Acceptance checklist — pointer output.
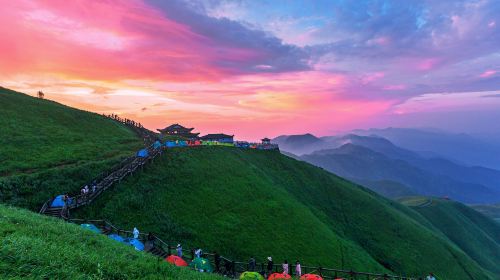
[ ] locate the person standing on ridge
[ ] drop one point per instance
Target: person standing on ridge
(179, 250)
(251, 264)
(285, 267)
(217, 261)
(136, 233)
(298, 269)
(270, 265)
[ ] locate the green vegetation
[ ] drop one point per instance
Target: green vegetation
(248, 202)
(36, 247)
(49, 148)
(469, 230)
(492, 211)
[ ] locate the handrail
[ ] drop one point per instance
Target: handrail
(236, 267)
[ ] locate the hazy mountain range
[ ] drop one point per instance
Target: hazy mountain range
(394, 171)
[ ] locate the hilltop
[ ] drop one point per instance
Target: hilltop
(245, 202)
(37, 247)
(49, 148)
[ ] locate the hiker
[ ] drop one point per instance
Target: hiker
(150, 242)
(198, 253)
(270, 265)
(217, 261)
(251, 264)
(285, 267)
(136, 233)
(298, 269)
(179, 250)
(431, 276)
(94, 187)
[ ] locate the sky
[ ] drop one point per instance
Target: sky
(262, 68)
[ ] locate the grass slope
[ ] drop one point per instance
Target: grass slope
(492, 211)
(246, 202)
(474, 233)
(48, 148)
(36, 247)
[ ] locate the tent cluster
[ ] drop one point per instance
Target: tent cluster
(252, 275)
(237, 144)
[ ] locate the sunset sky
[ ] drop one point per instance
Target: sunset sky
(262, 68)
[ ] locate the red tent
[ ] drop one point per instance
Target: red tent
(176, 260)
(279, 276)
(311, 277)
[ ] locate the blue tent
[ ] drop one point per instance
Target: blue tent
(91, 227)
(116, 237)
(183, 143)
(157, 145)
(170, 144)
(58, 201)
(136, 243)
(142, 153)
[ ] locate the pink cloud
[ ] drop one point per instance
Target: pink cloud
(428, 64)
(488, 73)
(394, 87)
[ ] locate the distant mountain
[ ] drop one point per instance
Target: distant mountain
(300, 144)
(463, 148)
(366, 166)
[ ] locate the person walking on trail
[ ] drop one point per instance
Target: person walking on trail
(270, 265)
(136, 233)
(285, 267)
(179, 250)
(251, 264)
(298, 269)
(431, 276)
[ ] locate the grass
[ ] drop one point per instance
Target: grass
(469, 230)
(492, 211)
(36, 247)
(245, 202)
(48, 148)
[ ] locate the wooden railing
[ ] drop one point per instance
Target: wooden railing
(233, 268)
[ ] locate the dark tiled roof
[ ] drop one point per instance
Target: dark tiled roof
(216, 136)
(176, 126)
(266, 139)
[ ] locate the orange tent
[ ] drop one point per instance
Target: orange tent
(311, 277)
(176, 260)
(279, 276)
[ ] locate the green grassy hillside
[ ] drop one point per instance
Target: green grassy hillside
(36, 247)
(474, 233)
(48, 148)
(247, 202)
(492, 211)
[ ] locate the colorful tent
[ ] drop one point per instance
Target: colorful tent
(182, 143)
(116, 237)
(279, 276)
(58, 201)
(176, 260)
(136, 243)
(157, 145)
(142, 153)
(170, 144)
(91, 227)
(201, 264)
(311, 277)
(251, 275)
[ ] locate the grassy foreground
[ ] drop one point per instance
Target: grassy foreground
(245, 202)
(49, 148)
(36, 247)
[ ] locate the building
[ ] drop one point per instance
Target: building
(266, 141)
(179, 130)
(219, 137)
